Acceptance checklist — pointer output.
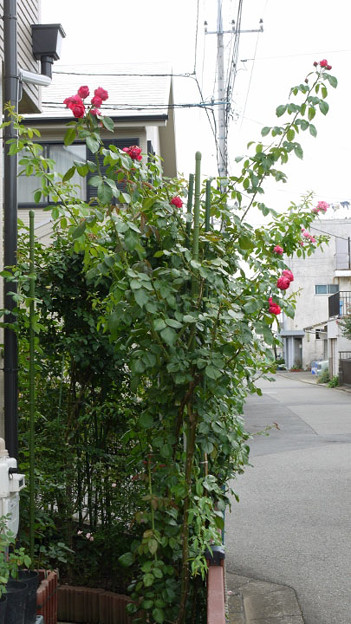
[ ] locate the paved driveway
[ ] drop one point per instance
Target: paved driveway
(293, 522)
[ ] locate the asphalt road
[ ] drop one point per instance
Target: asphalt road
(293, 522)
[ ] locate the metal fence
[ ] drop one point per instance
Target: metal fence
(345, 367)
(340, 303)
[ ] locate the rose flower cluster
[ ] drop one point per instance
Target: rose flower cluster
(284, 280)
(322, 206)
(76, 105)
(324, 64)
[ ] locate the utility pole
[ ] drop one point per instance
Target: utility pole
(222, 160)
(222, 92)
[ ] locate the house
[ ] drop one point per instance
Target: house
(140, 103)
(322, 283)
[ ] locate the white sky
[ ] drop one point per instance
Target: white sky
(295, 34)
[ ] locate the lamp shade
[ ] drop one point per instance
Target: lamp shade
(47, 40)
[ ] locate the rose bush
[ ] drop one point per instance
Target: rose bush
(182, 298)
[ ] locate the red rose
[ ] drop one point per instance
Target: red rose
(78, 110)
(95, 111)
(323, 63)
(72, 100)
(274, 308)
(283, 282)
(176, 201)
(75, 104)
(101, 93)
(278, 250)
(96, 101)
(287, 273)
(133, 151)
(83, 92)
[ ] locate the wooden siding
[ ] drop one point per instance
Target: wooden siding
(27, 14)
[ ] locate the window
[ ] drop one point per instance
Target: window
(120, 143)
(64, 158)
(326, 289)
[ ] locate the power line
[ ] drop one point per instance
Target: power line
(125, 74)
(328, 233)
(250, 80)
(205, 105)
(196, 34)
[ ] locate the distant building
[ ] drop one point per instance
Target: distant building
(323, 287)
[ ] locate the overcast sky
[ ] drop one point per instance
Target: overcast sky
(294, 36)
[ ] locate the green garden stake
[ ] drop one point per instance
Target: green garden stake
(197, 206)
(196, 228)
(208, 205)
(31, 385)
(189, 205)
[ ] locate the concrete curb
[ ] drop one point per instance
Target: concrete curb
(250, 601)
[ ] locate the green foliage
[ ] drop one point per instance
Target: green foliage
(153, 326)
(345, 326)
(11, 558)
(334, 382)
(324, 377)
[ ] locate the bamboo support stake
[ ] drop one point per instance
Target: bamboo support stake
(31, 384)
(189, 205)
(196, 229)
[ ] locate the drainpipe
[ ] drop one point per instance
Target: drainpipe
(11, 92)
(13, 77)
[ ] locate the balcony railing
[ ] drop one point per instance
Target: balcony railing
(340, 303)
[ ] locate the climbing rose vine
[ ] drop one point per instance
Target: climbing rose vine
(182, 298)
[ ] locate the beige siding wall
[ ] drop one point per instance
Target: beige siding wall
(27, 14)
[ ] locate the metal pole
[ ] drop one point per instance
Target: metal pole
(11, 85)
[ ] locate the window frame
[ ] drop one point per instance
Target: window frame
(331, 289)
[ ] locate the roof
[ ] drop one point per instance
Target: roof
(135, 89)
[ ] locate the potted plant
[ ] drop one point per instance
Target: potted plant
(12, 594)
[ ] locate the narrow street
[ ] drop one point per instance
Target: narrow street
(293, 522)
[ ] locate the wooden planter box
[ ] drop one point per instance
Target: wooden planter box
(87, 605)
(47, 596)
(91, 606)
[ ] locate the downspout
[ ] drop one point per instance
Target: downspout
(13, 78)
(11, 91)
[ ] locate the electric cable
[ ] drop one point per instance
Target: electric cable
(196, 34)
(144, 107)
